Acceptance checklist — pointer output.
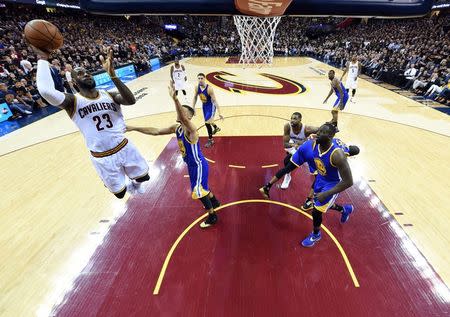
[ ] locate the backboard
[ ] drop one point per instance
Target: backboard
(348, 8)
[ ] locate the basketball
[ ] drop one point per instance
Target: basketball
(43, 35)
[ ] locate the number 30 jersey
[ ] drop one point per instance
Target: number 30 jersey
(100, 120)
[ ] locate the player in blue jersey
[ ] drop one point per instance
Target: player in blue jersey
(306, 153)
(342, 96)
(334, 176)
(209, 104)
(351, 150)
(187, 137)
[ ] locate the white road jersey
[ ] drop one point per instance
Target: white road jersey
(100, 120)
(178, 73)
(297, 137)
(353, 70)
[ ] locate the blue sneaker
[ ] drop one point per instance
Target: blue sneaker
(311, 239)
(348, 209)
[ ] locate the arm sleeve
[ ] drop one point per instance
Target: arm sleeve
(46, 86)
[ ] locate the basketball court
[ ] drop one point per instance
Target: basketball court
(70, 248)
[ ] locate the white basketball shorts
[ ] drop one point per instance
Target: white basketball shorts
(351, 83)
(114, 168)
(180, 84)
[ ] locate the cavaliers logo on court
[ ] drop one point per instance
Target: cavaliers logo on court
(282, 86)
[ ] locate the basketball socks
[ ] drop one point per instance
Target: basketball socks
(337, 207)
(214, 201)
(210, 131)
(183, 91)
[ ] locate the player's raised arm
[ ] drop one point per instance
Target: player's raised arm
(125, 95)
(46, 86)
(188, 126)
(153, 131)
(214, 100)
(310, 130)
(339, 159)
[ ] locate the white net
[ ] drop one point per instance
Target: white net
(257, 35)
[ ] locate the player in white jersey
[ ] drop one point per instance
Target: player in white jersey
(179, 78)
(295, 134)
(352, 69)
(98, 115)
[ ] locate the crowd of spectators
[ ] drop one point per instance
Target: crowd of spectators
(411, 53)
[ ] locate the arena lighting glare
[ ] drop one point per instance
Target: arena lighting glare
(170, 27)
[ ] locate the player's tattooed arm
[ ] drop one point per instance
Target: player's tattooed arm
(125, 95)
(310, 130)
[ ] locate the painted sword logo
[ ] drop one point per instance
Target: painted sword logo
(285, 86)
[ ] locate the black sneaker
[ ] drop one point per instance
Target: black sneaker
(216, 129)
(209, 143)
(264, 191)
(209, 221)
(308, 205)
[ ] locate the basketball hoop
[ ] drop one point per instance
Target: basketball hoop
(257, 35)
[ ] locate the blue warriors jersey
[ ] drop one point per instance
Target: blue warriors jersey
(190, 152)
(326, 170)
(305, 153)
(207, 104)
(197, 165)
(327, 174)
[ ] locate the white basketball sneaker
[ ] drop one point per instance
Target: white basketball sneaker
(138, 187)
(286, 181)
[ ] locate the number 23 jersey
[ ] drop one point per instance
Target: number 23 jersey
(100, 120)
